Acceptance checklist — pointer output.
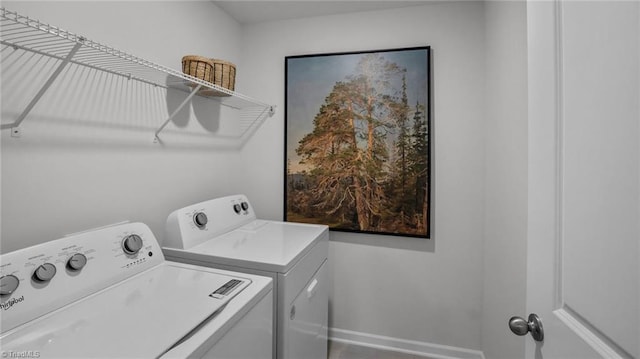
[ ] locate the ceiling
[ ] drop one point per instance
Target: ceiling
(251, 12)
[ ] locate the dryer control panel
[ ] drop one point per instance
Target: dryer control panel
(42, 278)
(189, 226)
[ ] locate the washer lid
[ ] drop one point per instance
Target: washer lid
(262, 245)
(143, 316)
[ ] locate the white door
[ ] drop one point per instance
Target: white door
(583, 276)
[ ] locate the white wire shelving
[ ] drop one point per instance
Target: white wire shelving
(22, 32)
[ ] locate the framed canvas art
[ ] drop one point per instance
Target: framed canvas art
(357, 141)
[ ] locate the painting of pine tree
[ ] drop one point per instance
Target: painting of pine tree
(358, 140)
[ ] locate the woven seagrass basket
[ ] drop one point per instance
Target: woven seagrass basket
(218, 72)
(224, 74)
(198, 66)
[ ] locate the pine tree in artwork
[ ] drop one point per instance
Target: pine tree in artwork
(399, 181)
(419, 167)
(348, 145)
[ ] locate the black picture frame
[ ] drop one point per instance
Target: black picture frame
(358, 141)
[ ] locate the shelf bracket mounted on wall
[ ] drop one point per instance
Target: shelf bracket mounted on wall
(15, 126)
(195, 90)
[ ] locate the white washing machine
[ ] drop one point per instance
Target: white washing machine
(224, 233)
(109, 293)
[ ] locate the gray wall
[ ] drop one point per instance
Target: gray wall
(506, 177)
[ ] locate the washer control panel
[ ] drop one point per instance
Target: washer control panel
(39, 279)
(192, 225)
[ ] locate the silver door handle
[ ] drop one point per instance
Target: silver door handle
(519, 326)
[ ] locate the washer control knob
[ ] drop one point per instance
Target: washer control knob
(44, 272)
(236, 208)
(8, 284)
(131, 244)
(77, 262)
(200, 219)
(245, 206)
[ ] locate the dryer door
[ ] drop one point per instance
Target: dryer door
(308, 317)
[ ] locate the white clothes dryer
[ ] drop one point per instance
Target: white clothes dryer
(109, 293)
(224, 233)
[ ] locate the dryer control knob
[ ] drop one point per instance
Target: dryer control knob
(8, 284)
(237, 208)
(131, 244)
(245, 205)
(77, 262)
(44, 272)
(200, 219)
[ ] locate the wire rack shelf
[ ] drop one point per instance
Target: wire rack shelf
(22, 32)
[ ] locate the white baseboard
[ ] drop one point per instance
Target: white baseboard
(430, 350)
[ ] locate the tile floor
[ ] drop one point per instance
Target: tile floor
(339, 350)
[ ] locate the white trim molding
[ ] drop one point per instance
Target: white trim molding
(588, 334)
(430, 350)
